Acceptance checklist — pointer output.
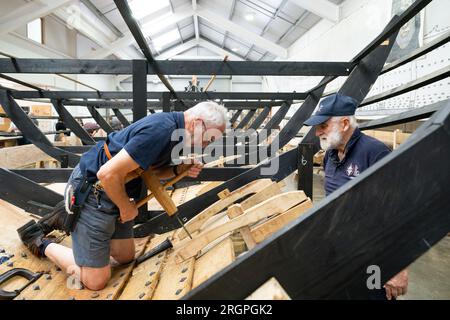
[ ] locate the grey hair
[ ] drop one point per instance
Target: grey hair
(351, 119)
(212, 113)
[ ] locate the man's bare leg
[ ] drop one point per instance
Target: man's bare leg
(92, 278)
(123, 250)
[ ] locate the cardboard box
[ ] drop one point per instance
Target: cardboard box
(41, 110)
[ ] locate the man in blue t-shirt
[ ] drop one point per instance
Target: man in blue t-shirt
(104, 228)
(348, 153)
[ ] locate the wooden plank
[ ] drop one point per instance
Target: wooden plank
(219, 162)
(248, 238)
(270, 290)
(212, 223)
(318, 158)
(175, 280)
(181, 195)
(213, 261)
(145, 276)
(11, 218)
(215, 221)
(274, 205)
(208, 186)
(264, 230)
(266, 193)
(23, 258)
(153, 204)
(63, 287)
(153, 184)
(235, 211)
(195, 223)
(20, 156)
(388, 137)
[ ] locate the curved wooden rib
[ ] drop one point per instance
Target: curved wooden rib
(195, 223)
(275, 205)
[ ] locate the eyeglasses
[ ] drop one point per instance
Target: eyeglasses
(207, 141)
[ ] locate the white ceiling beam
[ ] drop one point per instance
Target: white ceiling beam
(241, 32)
(156, 24)
(29, 12)
(194, 7)
(323, 8)
(21, 47)
(215, 48)
(197, 33)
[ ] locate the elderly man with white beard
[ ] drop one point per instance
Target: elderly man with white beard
(348, 153)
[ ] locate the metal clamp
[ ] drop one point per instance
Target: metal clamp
(17, 272)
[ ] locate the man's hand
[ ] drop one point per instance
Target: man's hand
(397, 286)
(128, 213)
(195, 170)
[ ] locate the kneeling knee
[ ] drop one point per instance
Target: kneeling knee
(124, 258)
(96, 280)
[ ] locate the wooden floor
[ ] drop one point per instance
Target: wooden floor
(161, 277)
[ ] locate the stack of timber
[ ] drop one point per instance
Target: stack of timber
(233, 225)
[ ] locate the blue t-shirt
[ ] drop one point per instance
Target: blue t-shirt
(147, 141)
(361, 152)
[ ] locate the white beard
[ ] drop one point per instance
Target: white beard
(332, 141)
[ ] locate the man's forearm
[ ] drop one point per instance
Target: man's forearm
(114, 187)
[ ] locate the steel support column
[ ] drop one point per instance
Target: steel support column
(139, 89)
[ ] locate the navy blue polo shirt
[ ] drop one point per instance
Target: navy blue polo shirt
(147, 141)
(361, 152)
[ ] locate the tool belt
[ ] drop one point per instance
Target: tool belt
(74, 201)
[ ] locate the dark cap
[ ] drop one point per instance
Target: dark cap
(333, 106)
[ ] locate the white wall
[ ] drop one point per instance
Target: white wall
(327, 41)
(58, 37)
(361, 22)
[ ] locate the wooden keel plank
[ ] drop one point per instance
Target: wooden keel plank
(264, 230)
(274, 205)
(63, 287)
(213, 261)
(35, 264)
(145, 276)
(175, 280)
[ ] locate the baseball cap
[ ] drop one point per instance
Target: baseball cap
(334, 105)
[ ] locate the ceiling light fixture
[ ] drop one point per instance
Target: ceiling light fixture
(250, 16)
